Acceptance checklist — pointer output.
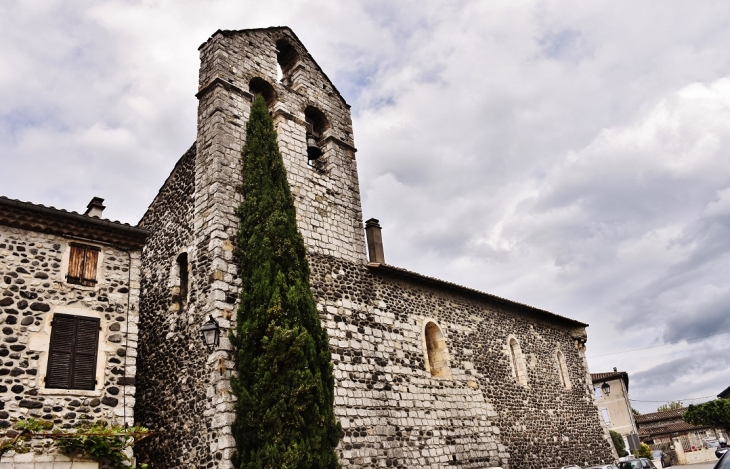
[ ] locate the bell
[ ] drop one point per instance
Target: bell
(313, 151)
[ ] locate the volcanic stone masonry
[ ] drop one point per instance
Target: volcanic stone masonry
(33, 287)
(428, 374)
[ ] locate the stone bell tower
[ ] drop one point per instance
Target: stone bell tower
(190, 272)
(313, 124)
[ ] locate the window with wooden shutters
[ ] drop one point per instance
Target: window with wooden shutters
(72, 352)
(82, 264)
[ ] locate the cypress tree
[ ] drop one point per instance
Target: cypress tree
(285, 385)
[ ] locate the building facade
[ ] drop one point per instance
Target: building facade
(69, 293)
(427, 373)
(611, 390)
(668, 428)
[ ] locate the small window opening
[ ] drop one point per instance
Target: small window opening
(286, 58)
(82, 262)
(599, 393)
(260, 86)
(518, 361)
(279, 73)
(563, 370)
(436, 351)
(182, 265)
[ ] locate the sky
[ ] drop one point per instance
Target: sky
(570, 155)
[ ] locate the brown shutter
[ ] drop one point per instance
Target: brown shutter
(76, 263)
(82, 262)
(89, 273)
(72, 352)
(60, 351)
(84, 362)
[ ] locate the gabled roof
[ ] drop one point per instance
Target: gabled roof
(725, 394)
(611, 375)
(539, 313)
(35, 217)
(228, 32)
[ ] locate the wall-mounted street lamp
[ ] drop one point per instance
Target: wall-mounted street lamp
(211, 333)
(606, 388)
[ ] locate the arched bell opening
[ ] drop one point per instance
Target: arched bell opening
(260, 86)
(286, 58)
(316, 123)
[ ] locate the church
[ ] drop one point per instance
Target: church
(427, 373)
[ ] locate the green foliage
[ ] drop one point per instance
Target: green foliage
(715, 414)
(643, 451)
(100, 440)
(285, 385)
(670, 406)
(618, 443)
(635, 412)
(24, 431)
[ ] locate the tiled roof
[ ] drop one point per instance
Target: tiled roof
(386, 268)
(608, 376)
(677, 427)
(36, 217)
(725, 394)
(659, 416)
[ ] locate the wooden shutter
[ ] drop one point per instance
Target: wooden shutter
(82, 262)
(60, 351)
(72, 352)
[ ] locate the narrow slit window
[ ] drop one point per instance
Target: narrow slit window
(72, 352)
(518, 361)
(436, 351)
(563, 370)
(82, 262)
(182, 265)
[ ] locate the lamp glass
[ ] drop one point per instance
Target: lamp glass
(606, 388)
(210, 333)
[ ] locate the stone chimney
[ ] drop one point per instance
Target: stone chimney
(375, 241)
(95, 207)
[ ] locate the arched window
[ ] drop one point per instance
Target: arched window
(563, 370)
(182, 268)
(260, 86)
(438, 356)
(286, 58)
(517, 360)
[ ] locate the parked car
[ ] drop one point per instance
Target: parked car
(638, 463)
(605, 466)
(724, 462)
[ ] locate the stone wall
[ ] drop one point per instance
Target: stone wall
(32, 289)
(173, 375)
(395, 414)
